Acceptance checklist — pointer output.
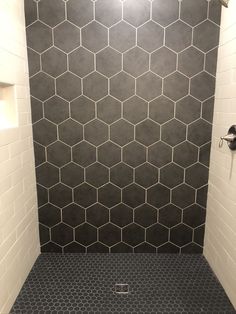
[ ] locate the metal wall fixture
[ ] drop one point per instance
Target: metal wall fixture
(230, 138)
(225, 3)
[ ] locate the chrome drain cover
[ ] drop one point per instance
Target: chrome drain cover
(121, 288)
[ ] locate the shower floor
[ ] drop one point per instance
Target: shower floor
(78, 283)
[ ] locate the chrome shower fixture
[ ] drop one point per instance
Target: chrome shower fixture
(225, 3)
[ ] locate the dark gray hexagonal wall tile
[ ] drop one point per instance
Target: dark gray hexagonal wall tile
(188, 109)
(82, 109)
(145, 248)
(47, 175)
(197, 175)
(163, 61)
(194, 216)
(109, 234)
(181, 235)
(96, 132)
(85, 195)
(122, 132)
(215, 11)
(122, 86)
(66, 36)
(108, 12)
(30, 12)
(34, 61)
(42, 195)
(161, 109)
(43, 234)
(176, 86)
(59, 153)
(95, 86)
(109, 195)
(136, 13)
(72, 174)
(79, 12)
(185, 154)
(122, 36)
(97, 215)
(146, 33)
(39, 154)
(60, 195)
(70, 132)
(133, 234)
(165, 12)
(121, 248)
(204, 154)
(39, 30)
(134, 154)
(136, 61)
(121, 175)
(42, 86)
(86, 234)
(133, 195)
(199, 132)
(211, 32)
(44, 132)
(191, 61)
(147, 132)
(202, 86)
(173, 132)
(145, 215)
(178, 36)
(108, 61)
(109, 154)
(135, 109)
(121, 215)
(68, 86)
(51, 12)
(198, 7)
(170, 215)
(158, 195)
(94, 36)
(49, 215)
(56, 109)
(157, 235)
(97, 174)
(159, 154)
(73, 215)
(84, 154)
(109, 109)
(149, 86)
(183, 195)
(171, 175)
(146, 175)
(81, 62)
(211, 61)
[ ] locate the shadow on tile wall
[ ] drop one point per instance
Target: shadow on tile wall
(122, 102)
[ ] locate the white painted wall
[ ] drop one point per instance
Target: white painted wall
(19, 240)
(220, 236)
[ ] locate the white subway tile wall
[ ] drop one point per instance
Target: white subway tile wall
(19, 240)
(220, 236)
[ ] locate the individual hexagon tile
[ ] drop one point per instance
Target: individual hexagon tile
(109, 234)
(194, 216)
(202, 86)
(168, 248)
(147, 132)
(79, 12)
(215, 12)
(82, 109)
(44, 132)
(97, 215)
(85, 195)
(135, 109)
(56, 109)
(211, 61)
(42, 86)
(136, 13)
(173, 132)
(121, 215)
(146, 175)
(183, 196)
(133, 234)
(208, 30)
(122, 132)
(66, 36)
(109, 154)
(204, 154)
(70, 132)
(149, 86)
(191, 61)
(51, 247)
(47, 175)
(97, 247)
(39, 154)
(133, 195)
(68, 86)
(163, 61)
(161, 109)
(34, 32)
(84, 154)
(30, 12)
(157, 234)
(136, 61)
(108, 62)
(198, 7)
(121, 248)
(60, 195)
(165, 12)
(176, 86)
(109, 195)
(33, 61)
(49, 215)
(74, 247)
(181, 235)
(86, 234)
(122, 36)
(121, 175)
(197, 175)
(144, 248)
(42, 195)
(201, 198)
(192, 248)
(96, 132)
(51, 12)
(122, 86)
(95, 86)
(73, 215)
(199, 235)
(178, 36)
(72, 174)
(109, 109)
(36, 109)
(108, 12)
(94, 36)
(199, 132)
(43, 234)
(185, 154)
(159, 154)
(97, 174)
(171, 175)
(158, 195)
(188, 109)
(146, 33)
(81, 62)
(170, 215)
(134, 154)
(59, 153)
(145, 215)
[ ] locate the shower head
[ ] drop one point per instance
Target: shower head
(225, 3)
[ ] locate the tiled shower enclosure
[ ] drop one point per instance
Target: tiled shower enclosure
(122, 102)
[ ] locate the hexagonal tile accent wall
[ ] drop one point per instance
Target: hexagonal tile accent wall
(122, 95)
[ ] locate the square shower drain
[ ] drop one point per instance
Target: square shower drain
(121, 288)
